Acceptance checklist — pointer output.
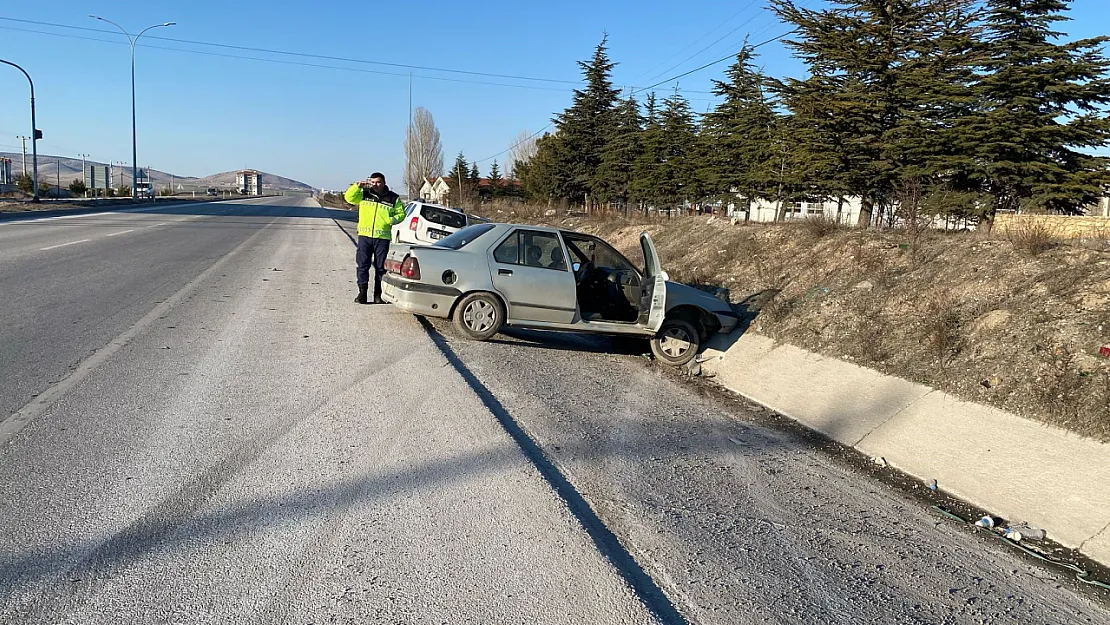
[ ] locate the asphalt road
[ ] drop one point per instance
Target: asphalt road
(204, 429)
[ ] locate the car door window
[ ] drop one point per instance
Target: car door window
(596, 251)
(508, 252)
(531, 249)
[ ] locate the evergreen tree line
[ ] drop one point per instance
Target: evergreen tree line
(471, 189)
(917, 107)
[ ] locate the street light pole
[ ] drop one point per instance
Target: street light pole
(34, 135)
(134, 140)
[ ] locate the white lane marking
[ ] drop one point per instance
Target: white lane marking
(116, 234)
(11, 426)
(113, 212)
(54, 247)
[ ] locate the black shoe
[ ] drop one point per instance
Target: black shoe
(378, 300)
(361, 299)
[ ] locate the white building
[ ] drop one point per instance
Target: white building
(762, 210)
(248, 182)
(435, 190)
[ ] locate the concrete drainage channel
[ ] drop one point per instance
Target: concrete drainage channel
(1011, 468)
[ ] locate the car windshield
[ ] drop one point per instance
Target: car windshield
(448, 218)
(463, 237)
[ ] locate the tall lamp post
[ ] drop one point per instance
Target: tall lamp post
(34, 135)
(134, 141)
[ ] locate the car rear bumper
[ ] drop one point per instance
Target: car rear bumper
(418, 298)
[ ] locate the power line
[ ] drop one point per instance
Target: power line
(521, 142)
(693, 43)
(301, 54)
(295, 63)
(710, 64)
(715, 42)
(767, 26)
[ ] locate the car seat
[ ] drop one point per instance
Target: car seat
(532, 256)
(556, 260)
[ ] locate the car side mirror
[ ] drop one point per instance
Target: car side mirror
(576, 267)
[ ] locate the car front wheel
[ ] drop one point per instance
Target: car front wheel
(676, 343)
(479, 316)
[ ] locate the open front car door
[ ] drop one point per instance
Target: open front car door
(653, 288)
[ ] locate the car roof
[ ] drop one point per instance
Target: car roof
(505, 225)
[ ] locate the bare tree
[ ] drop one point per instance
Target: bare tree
(522, 150)
(423, 151)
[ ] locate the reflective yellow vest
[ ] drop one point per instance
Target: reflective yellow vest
(376, 214)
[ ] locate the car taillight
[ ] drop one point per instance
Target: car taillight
(412, 224)
(392, 266)
(410, 268)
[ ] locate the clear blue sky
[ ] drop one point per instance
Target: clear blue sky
(200, 114)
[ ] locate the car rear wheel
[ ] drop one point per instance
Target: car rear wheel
(676, 343)
(479, 316)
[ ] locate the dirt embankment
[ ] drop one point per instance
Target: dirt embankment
(1016, 322)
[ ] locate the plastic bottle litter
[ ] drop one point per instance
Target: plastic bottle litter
(987, 522)
(1020, 533)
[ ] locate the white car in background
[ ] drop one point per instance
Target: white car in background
(428, 223)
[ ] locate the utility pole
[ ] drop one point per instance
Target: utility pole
(58, 191)
(84, 178)
(24, 140)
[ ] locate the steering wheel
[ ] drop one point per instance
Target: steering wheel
(583, 271)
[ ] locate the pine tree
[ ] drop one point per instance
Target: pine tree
(25, 183)
(458, 179)
(583, 128)
(473, 178)
(538, 175)
(496, 180)
(613, 179)
(869, 86)
(739, 156)
(679, 181)
(647, 168)
(1042, 104)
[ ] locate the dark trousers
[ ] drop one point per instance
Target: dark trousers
(371, 251)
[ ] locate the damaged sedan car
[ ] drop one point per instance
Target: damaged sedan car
(488, 276)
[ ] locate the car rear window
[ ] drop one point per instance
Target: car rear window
(463, 237)
(451, 219)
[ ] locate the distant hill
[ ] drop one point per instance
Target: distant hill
(71, 168)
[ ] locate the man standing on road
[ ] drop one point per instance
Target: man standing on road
(378, 209)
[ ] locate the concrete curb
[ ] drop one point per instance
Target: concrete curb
(1014, 467)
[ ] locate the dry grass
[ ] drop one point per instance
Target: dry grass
(332, 200)
(1032, 237)
(943, 328)
(821, 226)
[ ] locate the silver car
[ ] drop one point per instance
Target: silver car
(487, 276)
